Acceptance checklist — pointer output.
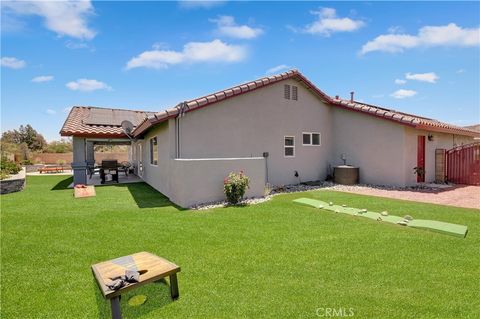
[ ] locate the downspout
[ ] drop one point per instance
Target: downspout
(181, 113)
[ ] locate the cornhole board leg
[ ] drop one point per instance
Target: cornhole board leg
(115, 306)
(174, 286)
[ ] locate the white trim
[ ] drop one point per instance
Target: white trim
(150, 157)
(311, 139)
(218, 159)
(292, 146)
(140, 159)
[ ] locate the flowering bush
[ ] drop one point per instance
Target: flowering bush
(234, 186)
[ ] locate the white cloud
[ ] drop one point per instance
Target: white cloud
(226, 26)
(401, 94)
(62, 17)
(13, 63)
(77, 45)
(400, 81)
(193, 52)
(460, 71)
(428, 36)
(87, 85)
(51, 112)
(42, 78)
(194, 4)
(327, 23)
(429, 77)
(277, 69)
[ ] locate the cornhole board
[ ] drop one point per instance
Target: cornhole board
(150, 267)
(85, 191)
(432, 225)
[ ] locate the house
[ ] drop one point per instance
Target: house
(280, 130)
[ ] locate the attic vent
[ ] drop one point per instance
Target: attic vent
(295, 93)
(286, 91)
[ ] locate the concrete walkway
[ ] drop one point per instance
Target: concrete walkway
(459, 195)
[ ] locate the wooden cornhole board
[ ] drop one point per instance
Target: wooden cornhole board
(84, 191)
(150, 267)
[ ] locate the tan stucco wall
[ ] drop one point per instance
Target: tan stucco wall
(440, 140)
(256, 122)
(246, 126)
(158, 176)
(188, 182)
(196, 181)
(374, 145)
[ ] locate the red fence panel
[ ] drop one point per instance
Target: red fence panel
(463, 164)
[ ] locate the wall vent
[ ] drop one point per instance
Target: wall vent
(295, 93)
(286, 91)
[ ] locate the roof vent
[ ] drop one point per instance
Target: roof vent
(351, 96)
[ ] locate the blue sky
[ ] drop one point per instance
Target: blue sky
(422, 58)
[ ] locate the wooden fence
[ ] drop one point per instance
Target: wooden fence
(54, 158)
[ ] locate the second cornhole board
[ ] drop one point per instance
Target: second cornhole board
(84, 191)
(433, 225)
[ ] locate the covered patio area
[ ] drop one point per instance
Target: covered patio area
(90, 127)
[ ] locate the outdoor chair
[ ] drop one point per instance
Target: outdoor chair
(92, 169)
(126, 167)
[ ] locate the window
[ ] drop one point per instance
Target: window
(311, 139)
(286, 91)
(289, 146)
(153, 151)
(295, 93)
(307, 139)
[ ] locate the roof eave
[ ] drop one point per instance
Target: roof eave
(458, 131)
(92, 135)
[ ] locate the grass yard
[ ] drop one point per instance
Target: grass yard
(277, 259)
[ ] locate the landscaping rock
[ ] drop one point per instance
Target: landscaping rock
(14, 183)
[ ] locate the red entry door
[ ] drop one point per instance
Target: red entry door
(421, 157)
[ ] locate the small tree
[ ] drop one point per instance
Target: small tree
(235, 186)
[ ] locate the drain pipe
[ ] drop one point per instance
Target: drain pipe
(181, 112)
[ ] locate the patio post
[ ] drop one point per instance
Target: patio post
(90, 152)
(79, 164)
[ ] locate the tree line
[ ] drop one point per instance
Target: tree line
(25, 141)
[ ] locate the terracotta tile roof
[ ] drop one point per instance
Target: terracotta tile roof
(415, 121)
(219, 96)
(373, 110)
(77, 122)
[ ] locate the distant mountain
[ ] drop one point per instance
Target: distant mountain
(475, 127)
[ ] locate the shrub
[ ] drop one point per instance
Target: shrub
(61, 162)
(234, 186)
(8, 167)
(26, 162)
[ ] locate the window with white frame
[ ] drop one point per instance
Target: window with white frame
(153, 151)
(311, 139)
(289, 146)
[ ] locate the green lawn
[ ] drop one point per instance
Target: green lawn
(277, 259)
